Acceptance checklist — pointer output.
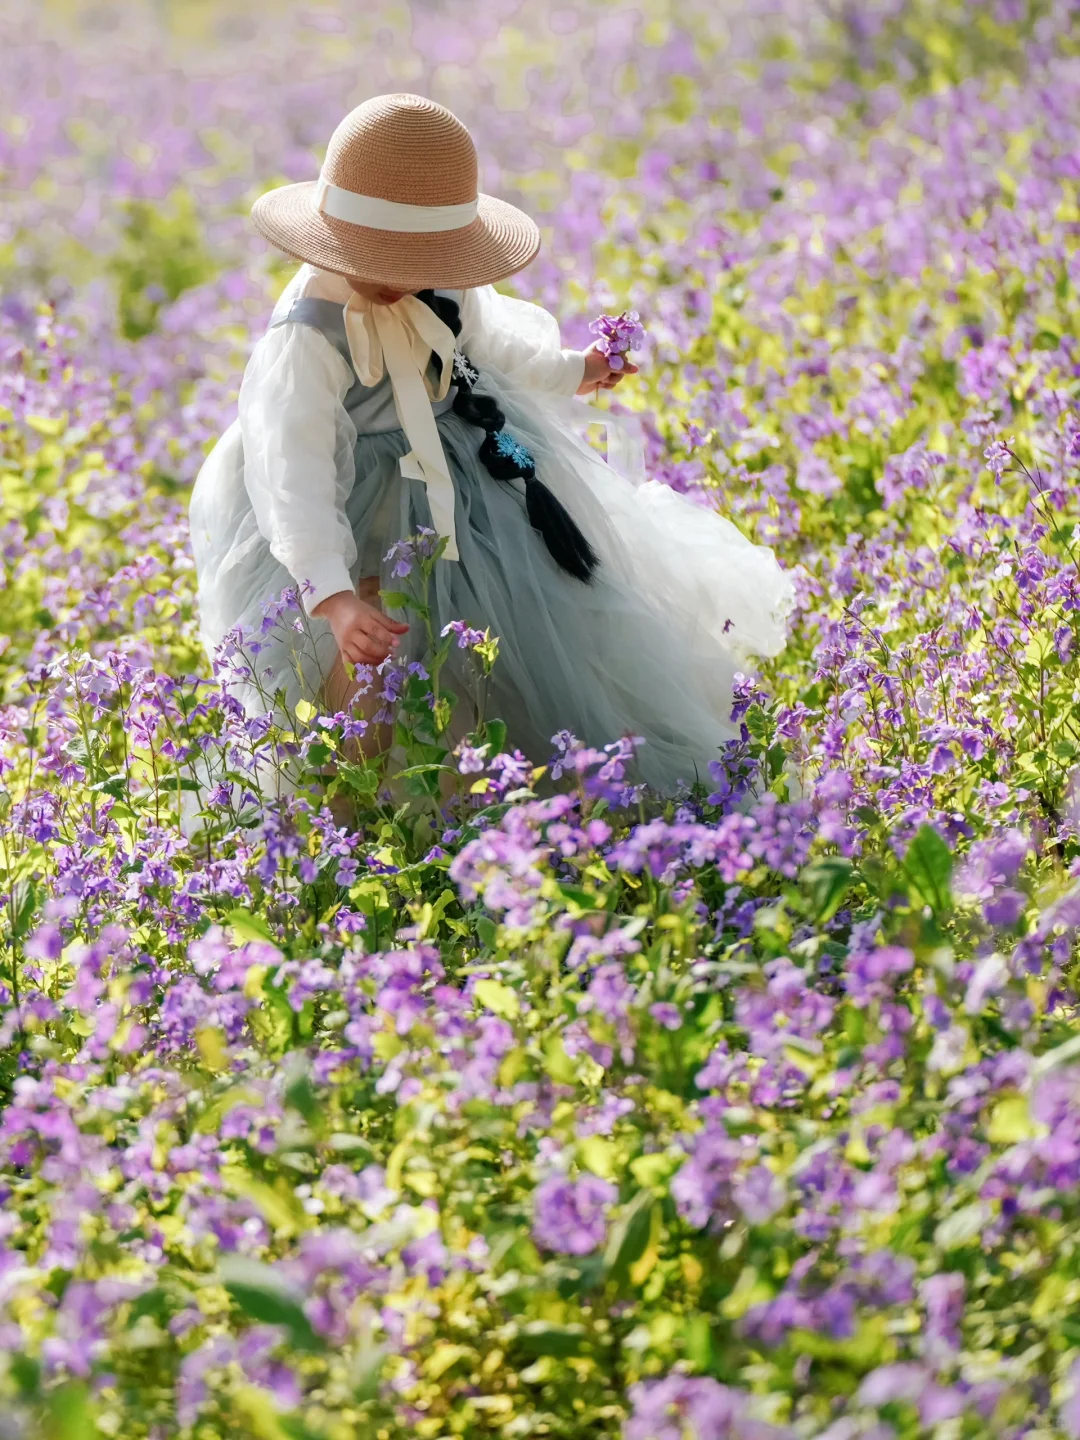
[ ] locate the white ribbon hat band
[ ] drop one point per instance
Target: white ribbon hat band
(376, 214)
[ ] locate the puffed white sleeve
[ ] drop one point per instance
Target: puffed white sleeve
(519, 339)
(298, 456)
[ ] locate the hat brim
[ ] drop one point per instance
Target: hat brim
(499, 242)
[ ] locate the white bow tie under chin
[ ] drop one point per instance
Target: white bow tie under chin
(399, 340)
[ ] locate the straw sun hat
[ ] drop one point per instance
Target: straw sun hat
(397, 204)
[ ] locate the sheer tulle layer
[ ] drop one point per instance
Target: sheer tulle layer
(650, 648)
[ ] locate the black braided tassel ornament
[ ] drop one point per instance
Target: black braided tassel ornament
(505, 458)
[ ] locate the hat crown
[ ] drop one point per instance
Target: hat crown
(403, 148)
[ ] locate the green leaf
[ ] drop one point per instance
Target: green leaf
(300, 1094)
(698, 1342)
(26, 1372)
(50, 425)
(443, 1357)
(928, 866)
(267, 1297)
(540, 1338)
(116, 786)
(629, 1235)
(495, 736)
(346, 1144)
(1011, 1121)
(396, 600)
(256, 1413)
(367, 1373)
(854, 1024)
(654, 1170)
(1060, 1055)
(862, 1352)
(441, 712)
(23, 904)
(58, 1281)
(600, 1155)
(156, 1302)
(69, 1414)
(246, 926)
(370, 896)
(584, 899)
(558, 1063)
(364, 779)
(750, 1289)
(827, 880)
(962, 1226)
(498, 998)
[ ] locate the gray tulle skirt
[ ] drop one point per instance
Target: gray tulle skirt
(650, 647)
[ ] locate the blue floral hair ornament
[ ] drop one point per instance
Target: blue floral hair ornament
(513, 450)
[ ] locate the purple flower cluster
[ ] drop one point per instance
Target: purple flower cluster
(617, 336)
(481, 1097)
(681, 1405)
(570, 1217)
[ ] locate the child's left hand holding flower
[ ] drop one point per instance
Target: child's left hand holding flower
(599, 373)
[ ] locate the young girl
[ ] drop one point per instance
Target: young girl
(396, 389)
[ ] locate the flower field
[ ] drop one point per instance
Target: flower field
(477, 1094)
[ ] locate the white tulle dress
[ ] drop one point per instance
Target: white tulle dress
(306, 489)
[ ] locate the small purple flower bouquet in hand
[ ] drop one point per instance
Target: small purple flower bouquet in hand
(618, 334)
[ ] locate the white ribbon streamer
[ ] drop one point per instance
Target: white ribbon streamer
(376, 214)
(625, 445)
(399, 340)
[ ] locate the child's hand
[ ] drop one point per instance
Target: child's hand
(599, 375)
(364, 635)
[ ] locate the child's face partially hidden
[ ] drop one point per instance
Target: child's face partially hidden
(378, 294)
